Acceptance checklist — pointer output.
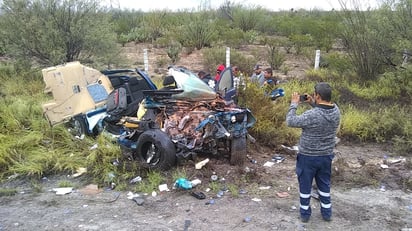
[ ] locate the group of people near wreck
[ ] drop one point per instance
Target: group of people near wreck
(264, 78)
(261, 77)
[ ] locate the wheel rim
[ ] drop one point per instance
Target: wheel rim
(151, 154)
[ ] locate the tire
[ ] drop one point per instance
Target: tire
(77, 127)
(155, 150)
(238, 151)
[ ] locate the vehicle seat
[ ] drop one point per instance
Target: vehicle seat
(135, 88)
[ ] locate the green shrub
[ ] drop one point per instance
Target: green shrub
(173, 51)
(379, 125)
(339, 62)
(300, 41)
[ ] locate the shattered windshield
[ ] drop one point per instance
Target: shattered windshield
(194, 89)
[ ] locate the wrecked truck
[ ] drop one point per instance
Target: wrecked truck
(181, 123)
(80, 97)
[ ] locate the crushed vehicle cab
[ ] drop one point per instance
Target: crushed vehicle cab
(80, 96)
(191, 119)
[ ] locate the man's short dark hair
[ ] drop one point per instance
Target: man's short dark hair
(324, 90)
(269, 70)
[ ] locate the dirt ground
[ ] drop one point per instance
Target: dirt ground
(270, 202)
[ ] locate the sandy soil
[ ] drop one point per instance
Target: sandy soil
(260, 205)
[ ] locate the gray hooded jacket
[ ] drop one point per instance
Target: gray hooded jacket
(319, 126)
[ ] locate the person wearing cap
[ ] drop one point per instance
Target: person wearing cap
(219, 70)
(257, 75)
(317, 141)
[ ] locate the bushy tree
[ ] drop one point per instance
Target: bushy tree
(368, 46)
(51, 32)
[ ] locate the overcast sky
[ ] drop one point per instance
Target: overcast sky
(273, 5)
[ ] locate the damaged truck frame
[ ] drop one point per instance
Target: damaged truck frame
(164, 126)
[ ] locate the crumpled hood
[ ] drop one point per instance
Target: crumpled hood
(194, 89)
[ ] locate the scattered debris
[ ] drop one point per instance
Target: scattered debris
(139, 201)
(214, 177)
(187, 224)
(154, 194)
(195, 182)
(183, 183)
(384, 166)
(210, 202)
(242, 191)
(63, 191)
(202, 163)
(269, 164)
(93, 147)
(163, 187)
(264, 187)
(80, 171)
(251, 159)
(198, 195)
(131, 195)
(220, 194)
(247, 219)
(282, 194)
(278, 158)
(135, 180)
(13, 176)
(91, 189)
(116, 162)
(256, 199)
(396, 160)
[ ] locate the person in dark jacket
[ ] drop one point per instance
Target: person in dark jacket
(314, 160)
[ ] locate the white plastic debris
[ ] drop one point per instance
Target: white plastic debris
(195, 182)
(256, 199)
(269, 164)
(163, 187)
(384, 166)
(135, 180)
(62, 191)
(131, 195)
(93, 147)
(264, 187)
(79, 172)
(396, 160)
(202, 163)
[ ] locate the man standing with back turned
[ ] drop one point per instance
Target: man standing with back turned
(314, 160)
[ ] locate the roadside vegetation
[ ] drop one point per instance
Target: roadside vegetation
(365, 60)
